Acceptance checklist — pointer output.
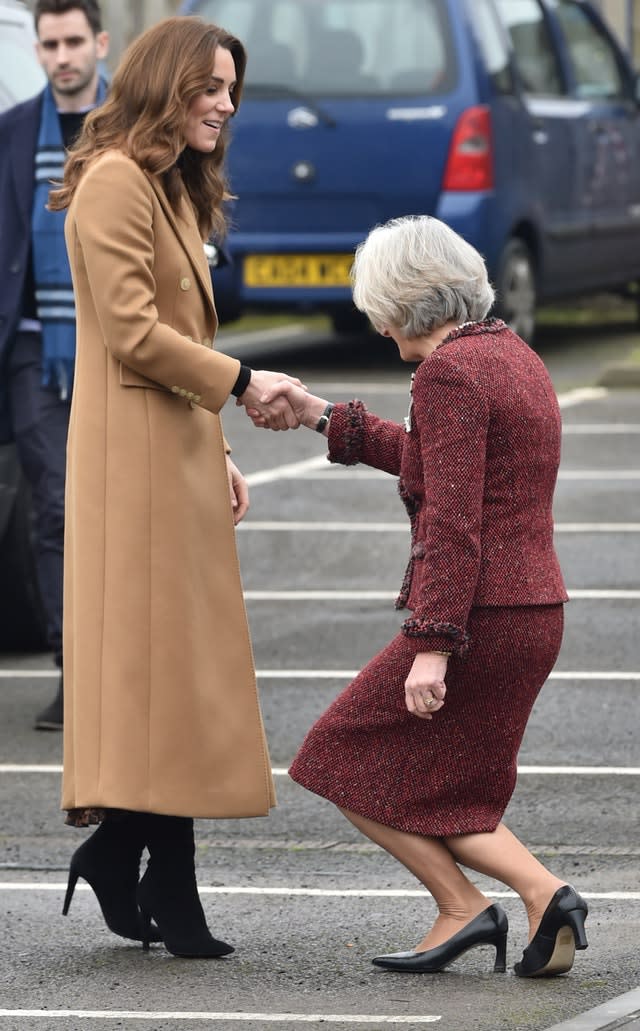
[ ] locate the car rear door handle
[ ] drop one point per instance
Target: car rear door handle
(539, 132)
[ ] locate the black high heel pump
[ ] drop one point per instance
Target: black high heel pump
(110, 863)
(488, 928)
(552, 949)
(168, 892)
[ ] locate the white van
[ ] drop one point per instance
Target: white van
(21, 76)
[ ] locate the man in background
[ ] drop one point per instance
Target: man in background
(37, 313)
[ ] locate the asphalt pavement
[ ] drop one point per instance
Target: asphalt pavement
(305, 900)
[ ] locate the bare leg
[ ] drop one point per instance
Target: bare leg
(502, 856)
(429, 859)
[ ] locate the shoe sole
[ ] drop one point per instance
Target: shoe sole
(562, 957)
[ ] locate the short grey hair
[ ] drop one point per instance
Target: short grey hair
(415, 274)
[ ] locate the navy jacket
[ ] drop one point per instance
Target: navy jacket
(19, 127)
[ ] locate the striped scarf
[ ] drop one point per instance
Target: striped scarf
(54, 288)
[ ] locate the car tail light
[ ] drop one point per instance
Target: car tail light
(470, 161)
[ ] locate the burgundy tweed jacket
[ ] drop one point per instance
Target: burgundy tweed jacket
(477, 473)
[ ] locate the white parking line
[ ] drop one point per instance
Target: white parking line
(324, 893)
(304, 469)
(598, 429)
(282, 771)
(259, 1018)
(336, 674)
(283, 526)
(597, 527)
(599, 474)
(349, 474)
(229, 339)
(349, 674)
(580, 394)
(282, 472)
(575, 594)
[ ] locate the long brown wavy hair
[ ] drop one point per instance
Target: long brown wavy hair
(145, 112)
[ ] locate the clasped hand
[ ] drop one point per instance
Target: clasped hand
(284, 400)
(267, 401)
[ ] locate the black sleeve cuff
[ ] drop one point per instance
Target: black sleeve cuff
(242, 381)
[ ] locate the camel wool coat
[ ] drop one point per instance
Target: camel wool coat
(161, 708)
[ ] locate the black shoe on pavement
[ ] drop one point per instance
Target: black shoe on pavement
(51, 717)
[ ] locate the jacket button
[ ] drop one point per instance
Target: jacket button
(185, 283)
(14, 267)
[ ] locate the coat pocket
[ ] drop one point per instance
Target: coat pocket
(130, 378)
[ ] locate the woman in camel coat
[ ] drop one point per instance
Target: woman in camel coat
(162, 720)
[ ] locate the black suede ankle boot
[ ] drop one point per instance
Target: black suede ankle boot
(168, 892)
(110, 862)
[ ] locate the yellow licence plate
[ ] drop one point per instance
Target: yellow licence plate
(280, 270)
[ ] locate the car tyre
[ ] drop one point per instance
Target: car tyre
(516, 289)
(349, 322)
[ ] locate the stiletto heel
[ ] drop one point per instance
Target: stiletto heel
(145, 929)
(488, 928)
(109, 861)
(552, 949)
(71, 886)
(500, 964)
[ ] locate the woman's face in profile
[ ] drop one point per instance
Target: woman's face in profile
(209, 110)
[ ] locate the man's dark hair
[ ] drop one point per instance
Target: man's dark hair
(90, 8)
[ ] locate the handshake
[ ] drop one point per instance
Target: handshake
(275, 401)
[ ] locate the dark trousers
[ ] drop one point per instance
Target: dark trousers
(39, 425)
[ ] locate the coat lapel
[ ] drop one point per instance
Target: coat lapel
(185, 227)
(23, 149)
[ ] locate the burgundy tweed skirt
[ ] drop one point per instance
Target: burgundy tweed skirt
(450, 775)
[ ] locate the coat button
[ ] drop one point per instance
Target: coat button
(14, 267)
(185, 283)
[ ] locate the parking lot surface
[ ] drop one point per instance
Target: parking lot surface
(306, 901)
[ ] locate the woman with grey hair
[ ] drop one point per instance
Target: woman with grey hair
(420, 750)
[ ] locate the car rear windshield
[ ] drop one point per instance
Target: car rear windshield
(351, 48)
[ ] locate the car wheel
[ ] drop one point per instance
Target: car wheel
(22, 622)
(349, 322)
(227, 311)
(516, 289)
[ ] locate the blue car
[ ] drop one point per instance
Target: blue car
(515, 121)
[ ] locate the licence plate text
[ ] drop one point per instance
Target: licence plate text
(281, 270)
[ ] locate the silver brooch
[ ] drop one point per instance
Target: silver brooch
(407, 418)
